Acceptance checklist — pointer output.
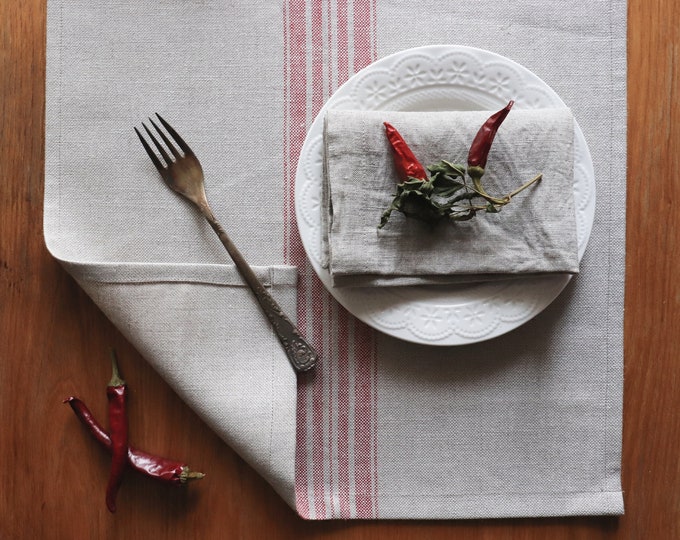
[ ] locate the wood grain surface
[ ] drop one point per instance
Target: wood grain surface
(54, 342)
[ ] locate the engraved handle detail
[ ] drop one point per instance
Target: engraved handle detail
(301, 354)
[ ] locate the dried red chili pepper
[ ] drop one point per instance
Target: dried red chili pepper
(445, 193)
(164, 469)
(405, 160)
(116, 392)
(481, 144)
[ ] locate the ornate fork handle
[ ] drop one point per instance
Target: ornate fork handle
(301, 354)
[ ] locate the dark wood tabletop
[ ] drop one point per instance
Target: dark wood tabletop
(54, 342)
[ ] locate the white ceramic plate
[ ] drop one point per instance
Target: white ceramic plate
(433, 78)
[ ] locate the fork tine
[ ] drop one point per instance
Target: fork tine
(184, 146)
(154, 157)
(167, 142)
(162, 151)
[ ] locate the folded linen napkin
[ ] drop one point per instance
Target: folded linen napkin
(534, 234)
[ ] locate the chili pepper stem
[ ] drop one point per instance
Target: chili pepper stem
(188, 475)
(479, 189)
(116, 379)
(535, 179)
(476, 175)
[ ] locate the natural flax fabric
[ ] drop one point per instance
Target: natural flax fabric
(526, 424)
(534, 234)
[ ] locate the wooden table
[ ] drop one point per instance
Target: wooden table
(52, 339)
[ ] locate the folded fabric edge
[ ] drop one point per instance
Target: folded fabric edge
(466, 506)
(93, 277)
(150, 272)
(375, 280)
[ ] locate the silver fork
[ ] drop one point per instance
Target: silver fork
(182, 172)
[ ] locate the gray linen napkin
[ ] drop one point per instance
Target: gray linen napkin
(534, 234)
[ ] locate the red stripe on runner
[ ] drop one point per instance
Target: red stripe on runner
(363, 431)
(332, 409)
(343, 42)
(319, 393)
(343, 316)
(317, 56)
(343, 414)
(318, 450)
(330, 86)
(370, 341)
(319, 403)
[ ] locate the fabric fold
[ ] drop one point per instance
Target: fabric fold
(235, 375)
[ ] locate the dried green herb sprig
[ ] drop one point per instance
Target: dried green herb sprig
(445, 192)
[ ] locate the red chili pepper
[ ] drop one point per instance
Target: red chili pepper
(407, 164)
(116, 393)
(167, 470)
(481, 145)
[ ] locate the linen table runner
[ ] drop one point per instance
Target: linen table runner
(527, 424)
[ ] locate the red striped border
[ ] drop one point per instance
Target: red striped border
(325, 41)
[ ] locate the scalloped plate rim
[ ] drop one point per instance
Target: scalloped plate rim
(541, 292)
